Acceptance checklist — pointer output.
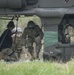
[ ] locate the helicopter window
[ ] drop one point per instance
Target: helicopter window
(50, 38)
(66, 30)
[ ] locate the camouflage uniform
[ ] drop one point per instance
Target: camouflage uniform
(8, 55)
(13, 53)
(6, 42)
(17, 44)
(69, 32)
(31, 35)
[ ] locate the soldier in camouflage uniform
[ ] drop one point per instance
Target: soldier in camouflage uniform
(6, 43)
(69, 33)
(17, 44)
(32, 33)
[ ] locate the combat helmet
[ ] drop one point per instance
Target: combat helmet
(11, 24)
(67, 25)
(31, 24)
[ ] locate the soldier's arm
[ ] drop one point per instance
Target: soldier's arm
(41, 34)
(24, 34)
(24, 37)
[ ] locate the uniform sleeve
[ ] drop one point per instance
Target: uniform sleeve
(66, 32)
(24, 33)
(41, 34)
(24, 37)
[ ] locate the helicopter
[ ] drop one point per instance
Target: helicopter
(54, 16)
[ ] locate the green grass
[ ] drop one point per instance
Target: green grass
(37, 68)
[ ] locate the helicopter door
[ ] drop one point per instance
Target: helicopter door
(66, 30)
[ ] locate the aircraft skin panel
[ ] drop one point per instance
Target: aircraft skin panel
(41, 12)
(12, 4)
(56, 3)
(37, 11)
(43, 9)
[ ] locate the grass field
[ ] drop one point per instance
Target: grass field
(37, 68)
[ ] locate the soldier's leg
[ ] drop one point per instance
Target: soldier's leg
(30, 48)
(19, 51)
(11, 57)
(9, 54)
(38, 47)
(31, 51)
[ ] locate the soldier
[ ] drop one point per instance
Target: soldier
(6, 39)
(6, 42)
(69, 33)
(32, 33)
(17, 45)
(13, 53)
